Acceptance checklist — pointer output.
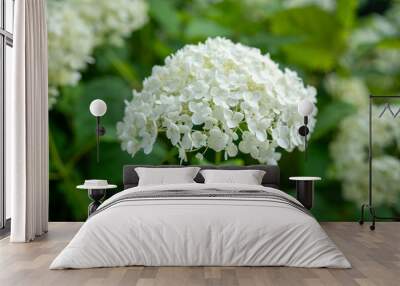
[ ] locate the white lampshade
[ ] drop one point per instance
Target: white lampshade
(98, 107)
(305, 107)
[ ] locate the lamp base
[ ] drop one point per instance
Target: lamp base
(303, 131)
(373, 216)
(100, 130)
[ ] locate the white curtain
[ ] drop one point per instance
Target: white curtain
(27, 124)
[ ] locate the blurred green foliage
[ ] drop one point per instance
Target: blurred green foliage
(308, 39)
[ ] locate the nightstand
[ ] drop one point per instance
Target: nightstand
(305, 190)
(96, 191)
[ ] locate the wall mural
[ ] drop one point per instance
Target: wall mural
(218, 82)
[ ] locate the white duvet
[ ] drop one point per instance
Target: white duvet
(200, 231)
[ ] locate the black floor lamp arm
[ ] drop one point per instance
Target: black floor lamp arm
(98, 138)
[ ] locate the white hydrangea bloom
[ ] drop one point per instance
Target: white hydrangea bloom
(66, 57)
(219, 95)
(328, 5)
(374, 30)
(111, 21)
(348, 89)
(259, 9)
(349, 152)
(370, 33)
(77, 27)
(350, 149)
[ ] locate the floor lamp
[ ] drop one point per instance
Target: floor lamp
(98, 108)
(370, 205)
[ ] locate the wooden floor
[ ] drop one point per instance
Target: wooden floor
(375, 257)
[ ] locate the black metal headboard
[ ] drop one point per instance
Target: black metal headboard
(270, 179)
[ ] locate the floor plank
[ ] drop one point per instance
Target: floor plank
(375, 257)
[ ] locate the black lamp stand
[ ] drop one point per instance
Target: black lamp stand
(369, 205)
(100, 131)
(303, 131)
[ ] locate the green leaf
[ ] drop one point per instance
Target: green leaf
(319, 35)
(126, 71)
(328, 118)
(67, 203)
(69, 179)
(346, 12)
(194, 161)
(67, 99)
(389, 43)
(202, 28)
(156, 157)
(233, 162)
(310, 56)
(104, 54)
(112, 160)
(76, 199)
(268, 42)
(162, 49)
(303, 21)
(317, 163)
(166, 15)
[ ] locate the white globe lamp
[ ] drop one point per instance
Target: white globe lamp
(98, 108)
(305, 107)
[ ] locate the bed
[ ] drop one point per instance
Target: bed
(198, 224)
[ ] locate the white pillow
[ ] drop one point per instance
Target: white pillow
(248, 177)
(165, 176)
